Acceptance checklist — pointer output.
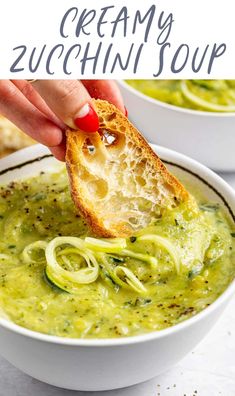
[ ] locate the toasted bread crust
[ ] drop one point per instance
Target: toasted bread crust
(129, 147)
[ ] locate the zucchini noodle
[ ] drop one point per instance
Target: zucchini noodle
(72, 261)
(122, 276)
(111, 245)
(63, 278)
(196, 100)
(67, 262)
(130, 279)
(165, 244)
(142, 257)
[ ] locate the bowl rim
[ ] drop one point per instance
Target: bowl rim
(182, 161)
(175, 108)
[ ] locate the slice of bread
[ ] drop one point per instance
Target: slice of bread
(117, 181)
(11, 137)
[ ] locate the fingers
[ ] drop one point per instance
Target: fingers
(107, 90)
(59, 151)
(17, 108)
(70, 101)
(41, 110)
(29, 92)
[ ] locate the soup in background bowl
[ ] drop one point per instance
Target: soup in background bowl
(204, 134)
(204, 95)
(75, 361)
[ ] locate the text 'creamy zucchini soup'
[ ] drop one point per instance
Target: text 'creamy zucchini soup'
(56, 278)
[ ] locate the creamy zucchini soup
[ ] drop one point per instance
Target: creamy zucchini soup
(205, 95)
(57, 279)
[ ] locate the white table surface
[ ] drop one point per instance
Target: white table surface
(209, 370)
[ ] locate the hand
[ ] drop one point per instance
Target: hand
(44, 108)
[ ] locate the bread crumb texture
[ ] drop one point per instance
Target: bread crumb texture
(117, 181)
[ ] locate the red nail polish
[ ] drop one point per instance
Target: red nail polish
(126, 112)
(87, 120)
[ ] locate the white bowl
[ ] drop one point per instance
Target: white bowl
(100, 364)
(205, 136)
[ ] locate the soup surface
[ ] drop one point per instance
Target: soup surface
(84, 287)
(205, 95)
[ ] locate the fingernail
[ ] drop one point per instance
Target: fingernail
(87, 120)
(126, 112)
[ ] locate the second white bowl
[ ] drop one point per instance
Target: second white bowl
(206, 137)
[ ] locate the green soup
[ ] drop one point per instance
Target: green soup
(164, 275)
(205, 95)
